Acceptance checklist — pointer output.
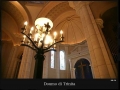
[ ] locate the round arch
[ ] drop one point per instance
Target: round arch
(83, 69)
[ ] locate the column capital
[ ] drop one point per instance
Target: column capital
(99, 22)
(78, 4)
(16, 44)
(73, 68)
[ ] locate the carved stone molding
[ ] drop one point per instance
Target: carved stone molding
(58, 9)
(18, 35)
(14, 12)
(78, 4)
(99, 22)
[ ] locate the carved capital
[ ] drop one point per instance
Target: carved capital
(73, 69)
(78, 4)
(71, 4)
(16, 44)
(99, 22)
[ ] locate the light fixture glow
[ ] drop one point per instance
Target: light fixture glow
(40, 41)
(40, 22)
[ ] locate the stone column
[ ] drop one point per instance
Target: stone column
(99, 62)
(58, 61)
(32, 66)
(73, 73)
(72, 69)
(12, 61)
(25, 67)
(70, 66)
(105, 47)
(67, 63)
(7, 47)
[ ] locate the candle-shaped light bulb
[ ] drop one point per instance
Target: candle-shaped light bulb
(54, 46)
(24, 28)
(32, 28)
(43, 35)
(39, 43)
(51, 41)
(47, 39)
(24, 38)
(36, 37)
(25, 23)
(55, 34)
(61, 32)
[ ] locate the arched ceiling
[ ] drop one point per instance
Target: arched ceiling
(58, 10)
(10, 29)
(63, 16)
(72, 28)
(5, 37)
(13, 12)
(13, 16)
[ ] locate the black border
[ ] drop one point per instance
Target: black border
(79, 84)
(39, 84)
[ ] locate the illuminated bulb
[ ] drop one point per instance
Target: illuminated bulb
(51, 41)
(32, 28)
(24, 37)
(55, 34)
(41, 21)
(43, 35)
(48, 39)
(25, 23)
(36, 36)
(61, 32)
(39, 44)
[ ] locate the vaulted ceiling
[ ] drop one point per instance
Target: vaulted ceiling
(15, 13)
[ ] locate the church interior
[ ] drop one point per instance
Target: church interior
(90, 47)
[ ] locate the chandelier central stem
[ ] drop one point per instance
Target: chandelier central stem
(41, 42)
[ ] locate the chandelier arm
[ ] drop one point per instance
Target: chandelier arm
(30, 40)
(29, 47)
(49, 50)
(53, 44)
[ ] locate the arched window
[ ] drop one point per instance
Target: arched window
(62, 60)
(52, 59)
(83, 69)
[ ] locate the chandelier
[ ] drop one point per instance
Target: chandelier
(41, 41)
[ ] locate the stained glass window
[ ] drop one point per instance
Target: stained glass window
(62, 60)
(52, 59)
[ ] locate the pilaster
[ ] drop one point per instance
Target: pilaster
(93, 37)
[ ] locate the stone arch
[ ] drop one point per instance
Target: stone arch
(99, 8)
(109, 6)
(83, 69)
(47, 8)
(10, 28)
